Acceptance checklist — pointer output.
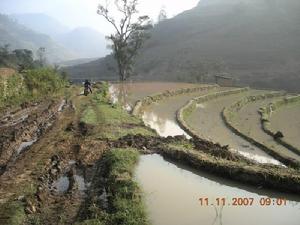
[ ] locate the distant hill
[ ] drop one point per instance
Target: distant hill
(21, 37)
(101, 69)
(75, 62)
(41, 23)
(85, 42)
(257, 41)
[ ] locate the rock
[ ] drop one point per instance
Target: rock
(278, 135)
(21, 198)
(53, 172)
(30, 208)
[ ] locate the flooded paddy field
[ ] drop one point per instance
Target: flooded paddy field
(173, 193)
(248, 121)
(138, 90)
(287, 120)
(207, 121)
(161, 116)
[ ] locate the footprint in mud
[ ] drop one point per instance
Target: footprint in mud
(73, 179)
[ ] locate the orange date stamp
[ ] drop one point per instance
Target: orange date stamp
(239, 201)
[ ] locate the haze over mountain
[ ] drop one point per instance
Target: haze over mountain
(21, 37)
(41, 23)
(257, 41)
(85, 42)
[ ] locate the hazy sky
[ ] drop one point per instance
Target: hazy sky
(75, 13)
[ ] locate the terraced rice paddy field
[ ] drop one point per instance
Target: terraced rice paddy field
(287, 120)
(152, 153)
(173, 189)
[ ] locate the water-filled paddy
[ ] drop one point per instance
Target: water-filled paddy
(207, 121)
(172, 195)
(287, 120)
(248, 121)
(172, 191)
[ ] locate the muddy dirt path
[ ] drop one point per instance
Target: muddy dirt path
(207, 120)
(287, 120)
(50, 178)
(19, 130)
(248, 121)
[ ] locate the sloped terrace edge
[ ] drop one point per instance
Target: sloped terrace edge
(266, 113)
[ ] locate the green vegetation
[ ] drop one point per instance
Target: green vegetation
(181, 144)
(15, 211)
(18, 57)
(110, 120)
(30, 86)
(126, 202)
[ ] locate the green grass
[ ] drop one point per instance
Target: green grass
(31, 86)
(182, 145)
(110, 120)
(12, 213)
(126, 199)
(89, 116)
(128, 208)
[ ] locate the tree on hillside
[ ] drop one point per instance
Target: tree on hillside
(4, 55)
(162, 16)
(41, 55)
(18, 59)
(24, 58)
(131, 30)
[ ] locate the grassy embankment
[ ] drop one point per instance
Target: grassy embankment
(33, 85)
(109, 121)
(126, 205)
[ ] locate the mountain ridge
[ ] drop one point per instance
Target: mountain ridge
(255, 41)
(86, 42)
(18, 36)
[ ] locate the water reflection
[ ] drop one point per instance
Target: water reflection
(163, 126)
(259, 158)
(207, 121)
(172, 198)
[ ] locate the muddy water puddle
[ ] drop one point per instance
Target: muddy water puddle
(172, 194)
(207, 121)
(25, 145)
(73, 178)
